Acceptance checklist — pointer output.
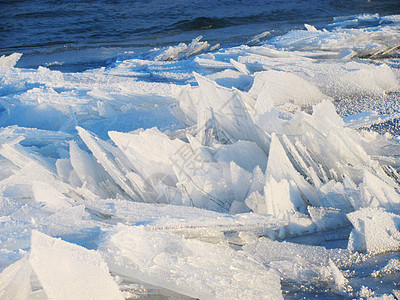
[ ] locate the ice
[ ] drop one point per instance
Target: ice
(327, 218)
(287, 89)
(183, 50)
(204, 155)
(239, 66)
(366, 119)
(116, 165)
(363, 41)
(375, 230)
(244, 153)
(393, 266)
(189, 267)
(340, 280)
(15, 281)
(49, 197)
(376, 190)
(301, 263)
(69, 271)
(63, 270)
(10, 60)
(279, 198)
(89, 174)
(280, 168)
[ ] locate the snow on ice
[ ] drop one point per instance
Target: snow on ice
(203, 173)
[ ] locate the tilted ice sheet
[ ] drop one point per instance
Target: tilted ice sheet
(70, 271)
(63, 271)
(190, 267)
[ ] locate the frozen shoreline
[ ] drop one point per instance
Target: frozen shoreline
(160, 166)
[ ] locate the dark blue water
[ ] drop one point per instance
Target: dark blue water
(84, 33)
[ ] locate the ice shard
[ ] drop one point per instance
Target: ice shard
(189, 267)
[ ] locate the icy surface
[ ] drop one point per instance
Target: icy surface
(262, 171)
(189, 267)
(63, 270)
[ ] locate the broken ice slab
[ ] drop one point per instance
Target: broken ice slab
(33, 167)
(68, 271)
(224, 108)
(118, 167)
(15, 281)
(82, 170)
(183, 51)
(375, 230)
(188, 221)
(58, 270)
(10, 61)
(21, 156)
(376, 192)
(51, 199)
(31, 135)
(328, 218)
(287, 89)
(307, 267)
(149, 151)
(280, 168)
(189, 267)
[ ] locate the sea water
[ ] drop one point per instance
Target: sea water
(79, 35)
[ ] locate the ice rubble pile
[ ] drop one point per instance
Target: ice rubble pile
(347, 37)
(186, 51)
(261, 148)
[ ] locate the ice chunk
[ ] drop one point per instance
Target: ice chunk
(328, 218)
(172, 52)
(15, 281)
(340, 280)
(188, 98)
(376, 191)
(33, 167)
(91, 174)
(280, 168)
(375, 230)
(68, 271)
(189, 267)
(229, 112)
(117, 166)
(52, 199)
(32, 135)
(232, 79)
(334, 195)
(196, 47)
(296, 262)
(327, 145)
(280, 198)
(10, 60)
(310, 27)
(286, 89)
(190, 221)
(239, 66)
(244, 153)
(182, 50)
